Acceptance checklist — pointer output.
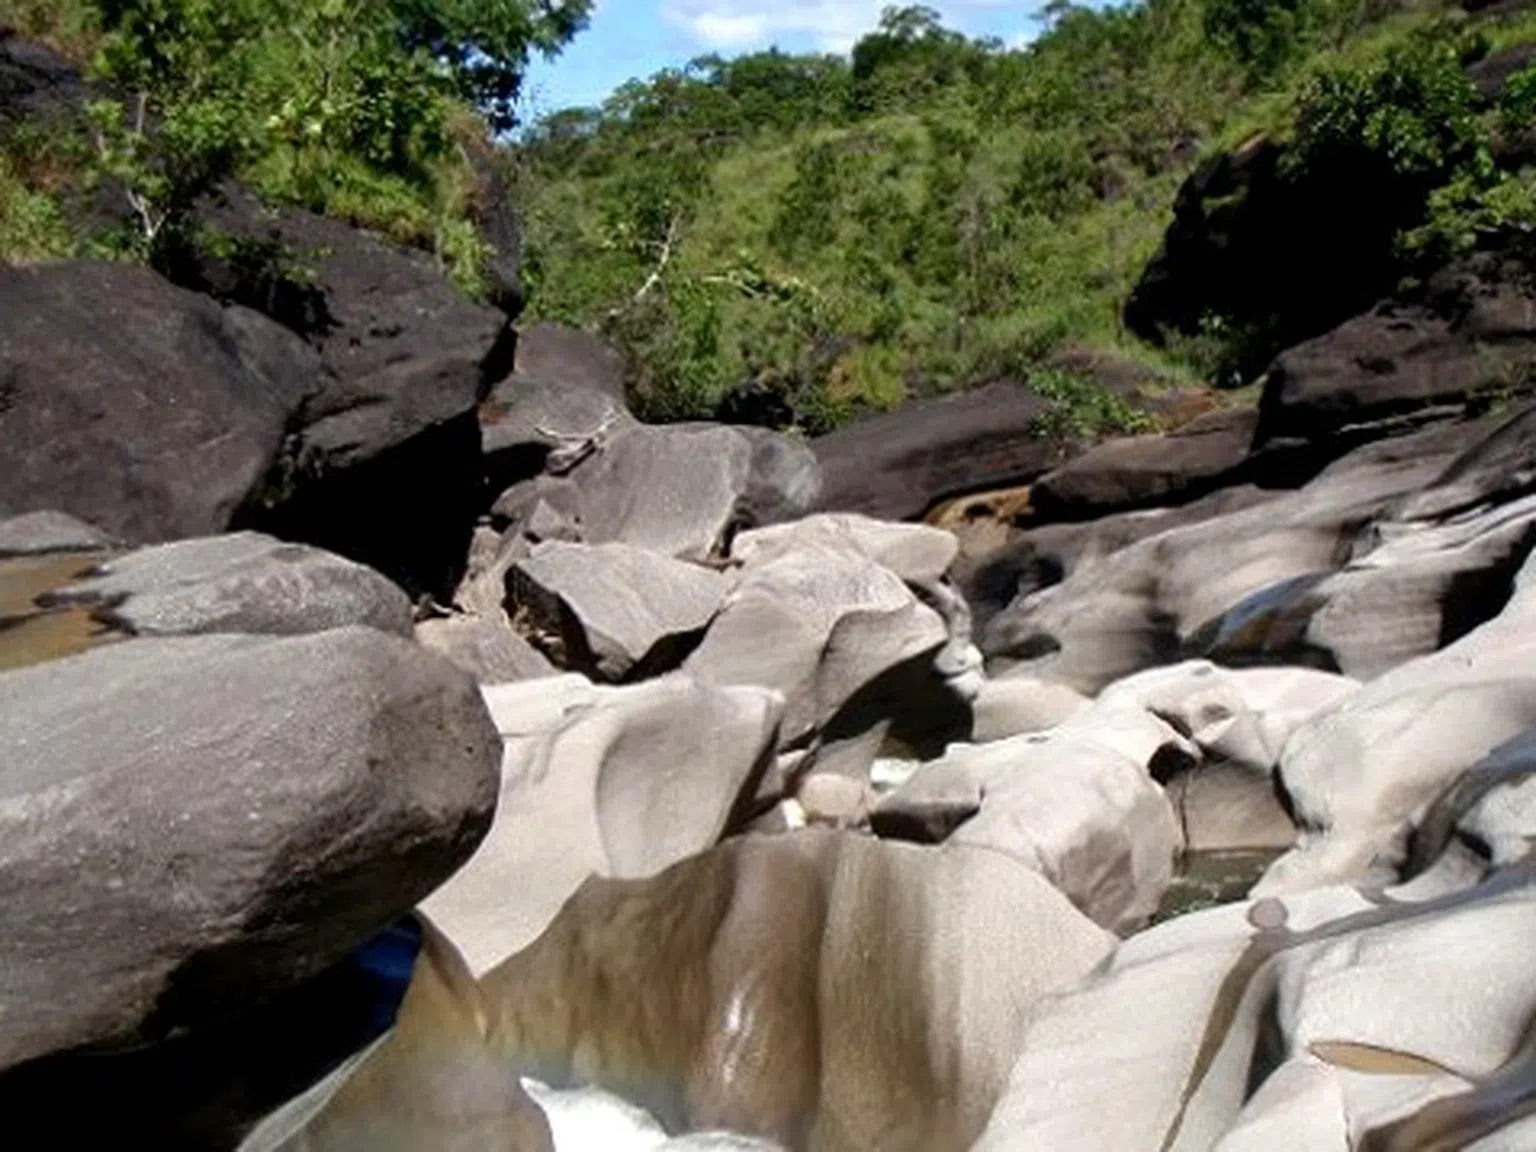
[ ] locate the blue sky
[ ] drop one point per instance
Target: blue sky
(629, 38)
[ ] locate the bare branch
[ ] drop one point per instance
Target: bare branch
(656, 273)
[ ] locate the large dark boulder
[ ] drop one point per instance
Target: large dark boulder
(383, 462)
(190, 826)
(1466, 340)
(1133, 472)
(36, 83)
(149, 411)
(898, 465)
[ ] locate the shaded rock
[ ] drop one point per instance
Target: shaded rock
(1204, 454)
(404, 352)
(817, 943)
(1143, 605)
(1361, 774)
(1470, 336)
(571, 358)
(1421, 587)
(485, 647)
(243, 582)
(432, 1082)
(617, 611)
(145, 410)
(530, 423)
(933, 801)
(600, 781)
(532, 507)
(205, 1087)
(1036, 558)
(383, 462)
(36, 83)
(45, 533)
(1497, 468)
(898, 465)
(179, 854)
(684, 489)
(818, 624)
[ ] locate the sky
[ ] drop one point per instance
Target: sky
(637, 38)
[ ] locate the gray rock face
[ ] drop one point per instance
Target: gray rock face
(191, 824)
(683, 489)
(486, 647)
(529, 416)
(616, 610)
(44, 533)
(147, 411)
(243, 582)
(817, 623)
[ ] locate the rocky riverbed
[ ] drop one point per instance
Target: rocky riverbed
(602, 784)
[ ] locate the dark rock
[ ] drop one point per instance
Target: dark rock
(188, 826)
(202, 1090)
(1119, 475)
(1240, 213)
(1469, 337)
(533, 424)
(898, 465)
(571, 358)
(146, 410)
(36, 83)
(1268, 627)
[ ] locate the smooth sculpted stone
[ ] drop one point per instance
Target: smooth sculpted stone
(244, 582)
(1143, 605)
(816, 623)
(601, 781)
(821, 989)
(432, 1082)
(617, 611)
(191, 824)
(1328, 1019)
(1361, 775)
(1077, 805)
(47, 533)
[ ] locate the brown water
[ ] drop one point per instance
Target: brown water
(33, 635)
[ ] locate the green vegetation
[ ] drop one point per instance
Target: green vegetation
(368, 110)
(935, 211)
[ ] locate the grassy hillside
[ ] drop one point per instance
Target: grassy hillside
(830, 235)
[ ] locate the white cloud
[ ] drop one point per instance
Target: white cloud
(832, 25)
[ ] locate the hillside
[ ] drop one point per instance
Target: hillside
(795, 239)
